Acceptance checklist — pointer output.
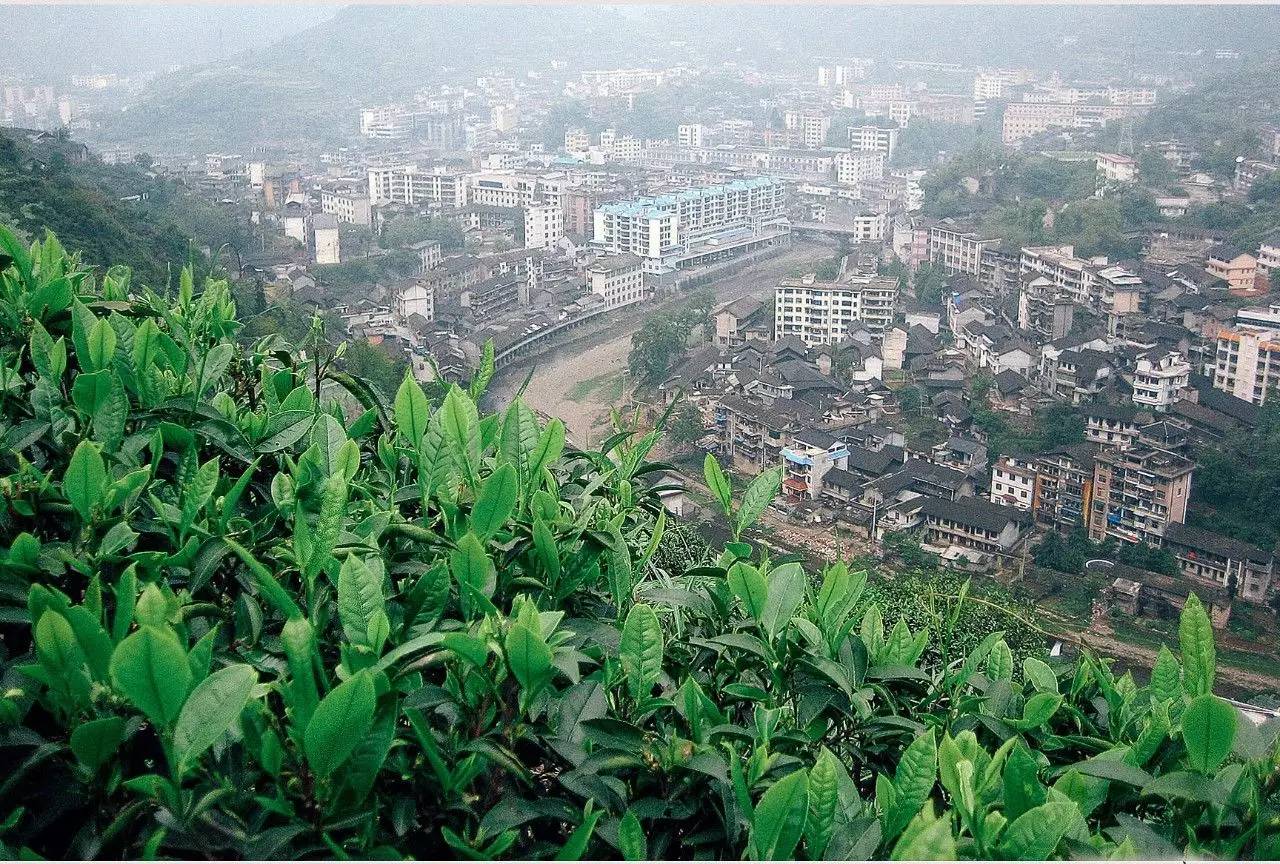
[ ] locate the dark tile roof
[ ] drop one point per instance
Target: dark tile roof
(973, 512)
(1218, 544)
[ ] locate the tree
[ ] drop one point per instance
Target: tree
(929, 284)
(686, 427)
(406, 231)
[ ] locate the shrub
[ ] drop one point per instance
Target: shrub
(241, 622)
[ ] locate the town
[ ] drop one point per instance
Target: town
(577, 432)
(980, 307)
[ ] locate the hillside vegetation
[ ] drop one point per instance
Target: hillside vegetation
(42, 187)
(241, 622)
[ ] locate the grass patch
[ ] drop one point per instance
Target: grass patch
(582, 389)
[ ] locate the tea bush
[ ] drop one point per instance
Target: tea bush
(243, 617)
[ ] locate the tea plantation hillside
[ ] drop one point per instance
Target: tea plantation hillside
(239, 622)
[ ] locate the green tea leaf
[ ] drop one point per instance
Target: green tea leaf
(209, 711)
(779, 818)
(749, 586)
(85, 480)
(360, 602)
(151, 669)
(340, 722)
(1036, 833)
(824, 799)
(1208, 730)
(412, 411)
(95, 742)
(718, 483)
(529, 658)
(641, 649)
(631, 839)
(1195, 636)
(495, 502)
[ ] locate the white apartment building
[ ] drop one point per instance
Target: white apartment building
(619, 279)
(877, 138)
(1025, 119)
(824, 313)
(1073, 276)
(607, 81)
(543, 225)
(1160, 380)
(813, 128)
(1247, 363)
(1013, 482)
(1269, 253)
(416, 298)
(407, 184)
(658, 228)
(324, 233)
(691, 135)
(859, 166)
(350, 207)
(502, 189)
(957, 250)
(504, 117)
(384, 121)
(576, 141)
(1114, 171)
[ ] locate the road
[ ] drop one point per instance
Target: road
(581, 380)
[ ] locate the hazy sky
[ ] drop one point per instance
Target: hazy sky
(68, 38)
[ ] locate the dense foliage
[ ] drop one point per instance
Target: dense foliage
(1237, 490)
(241, 622)
(113, 214)
(663, 340)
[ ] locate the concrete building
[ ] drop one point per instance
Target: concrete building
(874, 138)
(347, 206)
(857, 167)
(1244, 570)
(661, 230)
(740, 320)
(407, 184)
(1269, 253)
(1160, 379)
(808, 456)
(619, 279)
(1115, 171)
(325, 242)
(1247, 362)
(416, 298)
(543, 225)
(692, 135)
(1239, 269)
(956, 249)
(1026, 119)
(825, 313)
(576, 141)
(971, 523)
(1137, 493)
(812, 127)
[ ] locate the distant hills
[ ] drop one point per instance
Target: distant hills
(306, 86)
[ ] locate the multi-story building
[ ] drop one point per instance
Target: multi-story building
(691, 135)
(406, 184)
(1269, 253)
(1117, 293)
(971, 523)
(880, 139)
(416, 297)
(1238, 268)
(659, 229)
(753, 434)
(1071, 275)
(1160, 379)
(1115, 170)
(1044, 309)
(619, 279)
(1026, 119)
(824, 313)
(1247, 362)
(324, 239)
(813, 128)
(543, 225)
(1137, 493)
(1014, 480)
(347, 206)
(576, 140)
(740, 320)
(956, 249)
(808, 456)
(854, 168)
(1245, 571)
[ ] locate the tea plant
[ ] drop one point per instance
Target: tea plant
(251, 611)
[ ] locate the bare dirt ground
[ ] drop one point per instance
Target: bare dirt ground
(581, 381)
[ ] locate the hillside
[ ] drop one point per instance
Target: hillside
(43, 186)
(307, 86)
